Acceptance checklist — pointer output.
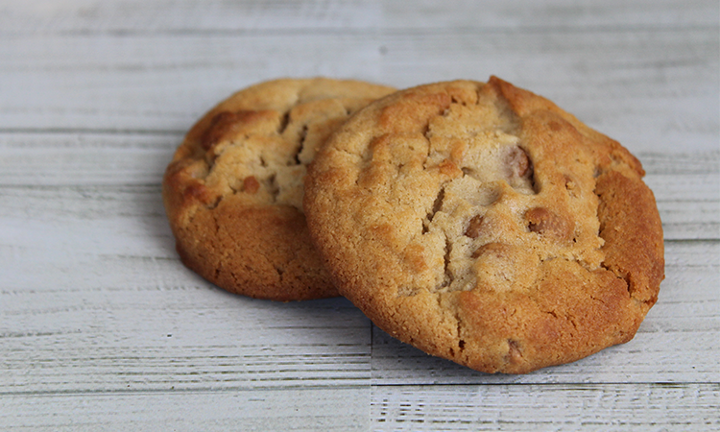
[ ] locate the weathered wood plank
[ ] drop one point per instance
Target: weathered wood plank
(111, 322)
(689, 205)
(104, 335)
(101, 327)
(587, 407)
(311, 410)
(157, 83)
(123, 16)
(61, 159)
(173, 16)
(527, 15)
(654, 90)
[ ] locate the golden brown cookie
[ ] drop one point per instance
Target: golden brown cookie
(483, 224)
(234, 189)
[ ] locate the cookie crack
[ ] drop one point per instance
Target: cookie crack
(458, 334)
(623, 277)
(272, 186)
(214, 204)
(280, 272)
(559, 315)
(223, 256)
(453, 354)
(447, 275)
(284, 122)
(596, 299)
(455, 101)
(617, 272)
(301, 145)
(436, 207)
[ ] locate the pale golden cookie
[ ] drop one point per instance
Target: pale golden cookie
(234, 189)
(483, 224)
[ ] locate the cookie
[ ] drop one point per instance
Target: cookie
(483, 224)
(234, 189)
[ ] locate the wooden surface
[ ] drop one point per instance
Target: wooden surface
(102, 328)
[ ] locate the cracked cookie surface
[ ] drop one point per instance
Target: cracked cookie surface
(234, 189)
(482, 223)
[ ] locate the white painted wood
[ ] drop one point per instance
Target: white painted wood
(102, 328)
(158, 83)
(586, 407)
(291, 409)
(110, 331)
(652, 90)
(85, 159)
(85, 16)
(158, 325)
(530, 14)
(212, 16)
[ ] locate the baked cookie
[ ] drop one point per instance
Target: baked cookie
(233, 191)
(483, 224)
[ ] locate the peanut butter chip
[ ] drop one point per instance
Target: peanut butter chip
(544, 222)
(517, 162)
(494, 250)
(250, 185)
(199, 191)
(474, 228)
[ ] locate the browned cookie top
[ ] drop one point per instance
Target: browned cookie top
(234, 189)
(483, 224)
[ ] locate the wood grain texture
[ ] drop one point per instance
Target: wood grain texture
(307, 409)
(87, 16)
(146, 331)
(102, 328)
(647, 407)
(621, 82)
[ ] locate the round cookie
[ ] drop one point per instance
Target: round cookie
(483, 224)
(234, 189)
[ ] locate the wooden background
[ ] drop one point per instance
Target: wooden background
(102, 328)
